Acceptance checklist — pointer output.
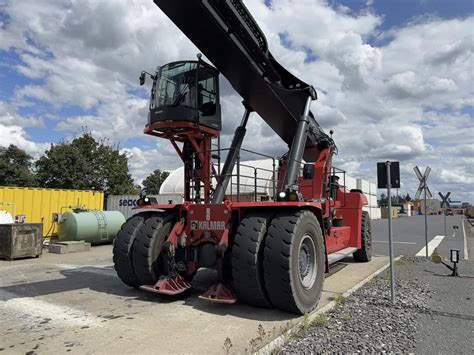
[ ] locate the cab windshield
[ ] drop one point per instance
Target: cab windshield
(175, 85)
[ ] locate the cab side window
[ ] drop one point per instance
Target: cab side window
(207, 97)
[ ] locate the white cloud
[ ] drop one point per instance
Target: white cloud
(457, 177)
(9, 116)
(381, 100)
(143, 161)
(16, 135)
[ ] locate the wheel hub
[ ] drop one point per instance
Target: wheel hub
(307, 262)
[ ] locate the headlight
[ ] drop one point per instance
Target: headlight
(282, 195)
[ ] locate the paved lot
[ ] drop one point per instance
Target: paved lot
(409, 235)
(75, 304)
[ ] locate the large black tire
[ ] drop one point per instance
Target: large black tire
(147, 258)
(293, 278)
(365, 253)
(247, 259)
(123, 249)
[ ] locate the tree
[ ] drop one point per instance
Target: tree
(153, 182)
(15, 167)
(85, 163)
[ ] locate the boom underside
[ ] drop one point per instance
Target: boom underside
(231, 39)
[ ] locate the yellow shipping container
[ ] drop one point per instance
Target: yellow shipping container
(38, 205)
(385, 212)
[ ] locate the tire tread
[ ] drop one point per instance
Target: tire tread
(277, 254)
(247, 263)
(144, 265)
(123, 247)
(365, 253)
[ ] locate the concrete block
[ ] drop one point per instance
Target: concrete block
(69, 247)
(348, 181)
(363, 185)
(372, 200)
(374, 212)
(373, 188)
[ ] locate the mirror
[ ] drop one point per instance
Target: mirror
(142, 78)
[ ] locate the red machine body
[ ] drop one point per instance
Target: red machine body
(269, 251)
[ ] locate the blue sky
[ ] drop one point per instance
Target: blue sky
(394, 78)
(400, 12)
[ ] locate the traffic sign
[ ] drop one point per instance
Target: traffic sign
(445, 201)
(423, 187)
(423, 182)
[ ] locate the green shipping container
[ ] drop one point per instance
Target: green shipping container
(95, 227)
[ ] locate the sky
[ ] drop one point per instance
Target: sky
(395, 80)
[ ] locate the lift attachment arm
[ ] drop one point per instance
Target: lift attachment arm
(229, 164)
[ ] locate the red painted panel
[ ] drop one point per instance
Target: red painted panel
(338, 239)
(351, 212)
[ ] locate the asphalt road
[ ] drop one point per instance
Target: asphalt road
(409, 235)
(447, 327)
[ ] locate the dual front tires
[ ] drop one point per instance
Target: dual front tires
(278, 260)
(137, 248)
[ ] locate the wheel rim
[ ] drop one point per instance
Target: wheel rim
(307, 261)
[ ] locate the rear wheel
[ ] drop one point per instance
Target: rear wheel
(293, 261)
(247, 259)
(147, 258)
(364, 254)
(123, 249)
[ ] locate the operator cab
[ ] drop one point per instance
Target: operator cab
(185, 91)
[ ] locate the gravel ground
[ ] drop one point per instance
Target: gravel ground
(420, 321)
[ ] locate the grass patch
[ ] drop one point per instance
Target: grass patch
(306, 322)
(320, 320)
(400, 262)
(339, 299)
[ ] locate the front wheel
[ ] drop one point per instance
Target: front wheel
(294, 261)
(123, 249)
(247, 259)
(364, 254)
(147, 256)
